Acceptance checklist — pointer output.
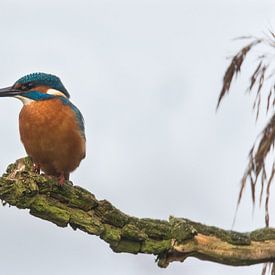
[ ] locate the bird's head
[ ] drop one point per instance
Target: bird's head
(35, 87)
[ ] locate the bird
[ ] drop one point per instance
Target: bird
(51, 127)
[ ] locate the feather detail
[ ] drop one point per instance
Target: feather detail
(52, 132)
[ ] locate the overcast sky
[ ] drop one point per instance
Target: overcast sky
(146, 75)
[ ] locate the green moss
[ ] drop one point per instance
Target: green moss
(127, 246)
(83, 199)
(155, 247)
(231, 237)
(25, 202)
(181, 229)
(110, 214)
(132, 232)
(28, 163)
(29, 189)
(49, 209)
(16, 193)
(74, 205)
(156, 229)
(8, 191)
(237, 238)
(111, 234)
(263, 234)
(73, 196)
(86, 222)
(9, 169)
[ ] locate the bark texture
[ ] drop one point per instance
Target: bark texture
(171, 240)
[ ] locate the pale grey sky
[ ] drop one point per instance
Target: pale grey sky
(146, 75)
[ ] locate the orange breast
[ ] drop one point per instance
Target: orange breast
(52, 136)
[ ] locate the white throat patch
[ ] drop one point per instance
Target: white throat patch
(24, 100)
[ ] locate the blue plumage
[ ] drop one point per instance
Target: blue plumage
(44, 79)
(79, 117)
(36, 95)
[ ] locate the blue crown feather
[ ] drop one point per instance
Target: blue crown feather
(49, 80)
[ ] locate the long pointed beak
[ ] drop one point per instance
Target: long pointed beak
(10, 92)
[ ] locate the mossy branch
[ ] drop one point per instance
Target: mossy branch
(172, 240)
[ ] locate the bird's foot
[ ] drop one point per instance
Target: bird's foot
(61, 179)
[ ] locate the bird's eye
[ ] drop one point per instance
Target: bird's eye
(27, 86)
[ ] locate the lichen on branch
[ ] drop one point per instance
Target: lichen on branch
(171, 240)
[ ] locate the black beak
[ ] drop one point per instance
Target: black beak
(10, 92)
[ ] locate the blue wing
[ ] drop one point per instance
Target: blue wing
(79, 117)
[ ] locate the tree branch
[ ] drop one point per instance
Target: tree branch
(172, 240)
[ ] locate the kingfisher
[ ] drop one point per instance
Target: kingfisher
(51, 127)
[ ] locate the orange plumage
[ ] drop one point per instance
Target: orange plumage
(52, 136)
